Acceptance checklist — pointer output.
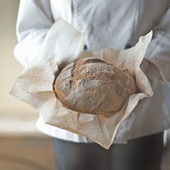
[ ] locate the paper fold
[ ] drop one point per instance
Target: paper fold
(34, 86)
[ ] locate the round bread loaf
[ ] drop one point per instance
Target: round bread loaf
(92, 86)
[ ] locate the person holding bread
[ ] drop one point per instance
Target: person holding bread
(116, 24)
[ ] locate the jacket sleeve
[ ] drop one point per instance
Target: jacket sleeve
(159, 49)
(33, 23)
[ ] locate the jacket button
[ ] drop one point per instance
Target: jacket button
(128, 46)
(85, 47)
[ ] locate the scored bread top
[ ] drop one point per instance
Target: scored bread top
(93, 86)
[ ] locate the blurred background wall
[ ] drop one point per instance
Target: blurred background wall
(22, 146)
(9, 67)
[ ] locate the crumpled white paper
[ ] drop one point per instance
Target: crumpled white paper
(34, 85)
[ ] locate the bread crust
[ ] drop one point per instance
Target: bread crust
(93, 86)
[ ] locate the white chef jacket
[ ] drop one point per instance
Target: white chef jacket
(106, 24)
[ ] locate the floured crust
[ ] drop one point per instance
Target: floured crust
(92, 86)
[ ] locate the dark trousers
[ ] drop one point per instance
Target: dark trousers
(139, 154)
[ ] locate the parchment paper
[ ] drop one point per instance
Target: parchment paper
(34, 85)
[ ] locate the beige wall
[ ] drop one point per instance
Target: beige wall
(20, 141)
(9, 67)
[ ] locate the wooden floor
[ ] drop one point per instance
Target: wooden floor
(26, 153)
